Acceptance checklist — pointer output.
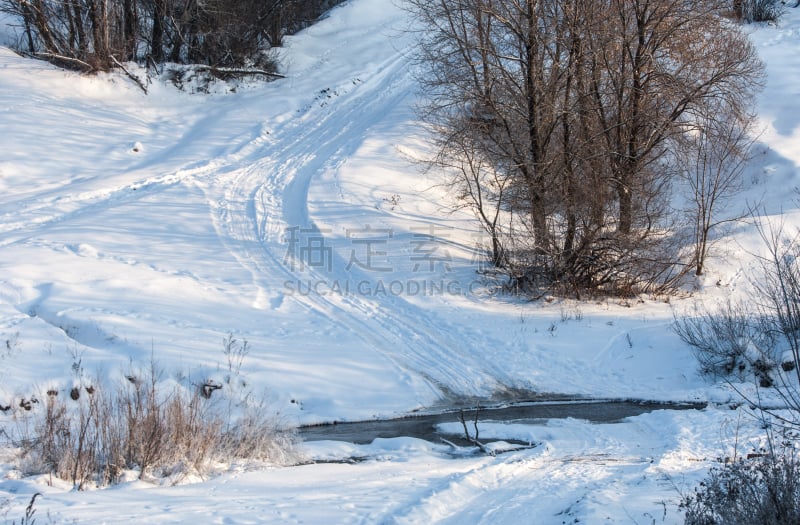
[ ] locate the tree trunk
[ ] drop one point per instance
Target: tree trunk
(534, 176)
(42, 23)
(157, 34)
(77, 15)
(738, 9)
(498, 253)
(98, 16)
(71, 30)
(131, 25)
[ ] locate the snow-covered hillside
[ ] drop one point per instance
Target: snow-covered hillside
(293, 215)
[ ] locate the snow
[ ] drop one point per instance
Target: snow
(293, 215)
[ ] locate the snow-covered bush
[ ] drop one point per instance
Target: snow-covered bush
(731, 342)
(757, 10)
(761, 490)
(762, 334)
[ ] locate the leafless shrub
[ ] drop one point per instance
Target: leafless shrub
(726, 342)
(258, 435)
(763, 489)
(143, 426)
(11, 345)
(234, 351)
(757, 10)
(755, 337)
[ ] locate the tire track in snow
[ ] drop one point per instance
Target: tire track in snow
(264, 198)
(507, 489)
(267, 196)
(37, 215)
(474, 493)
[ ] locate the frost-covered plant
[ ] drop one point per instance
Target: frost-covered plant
(144, 426)
(761, 334)
(761, 490)
(235, 351)
(757, 10)
(30, 511)
(729, 342)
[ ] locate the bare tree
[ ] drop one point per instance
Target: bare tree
(657, 61)
(493, 76)
(759, 337)
(577, 106)
(483, 189)
(713, 156)
(779, 302)
(94, 35)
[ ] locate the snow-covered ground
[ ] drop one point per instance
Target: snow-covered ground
(292, 215)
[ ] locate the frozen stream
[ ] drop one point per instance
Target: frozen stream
(424, 425)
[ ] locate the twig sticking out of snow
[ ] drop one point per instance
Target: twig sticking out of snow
(469, 438)
(130, 75)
